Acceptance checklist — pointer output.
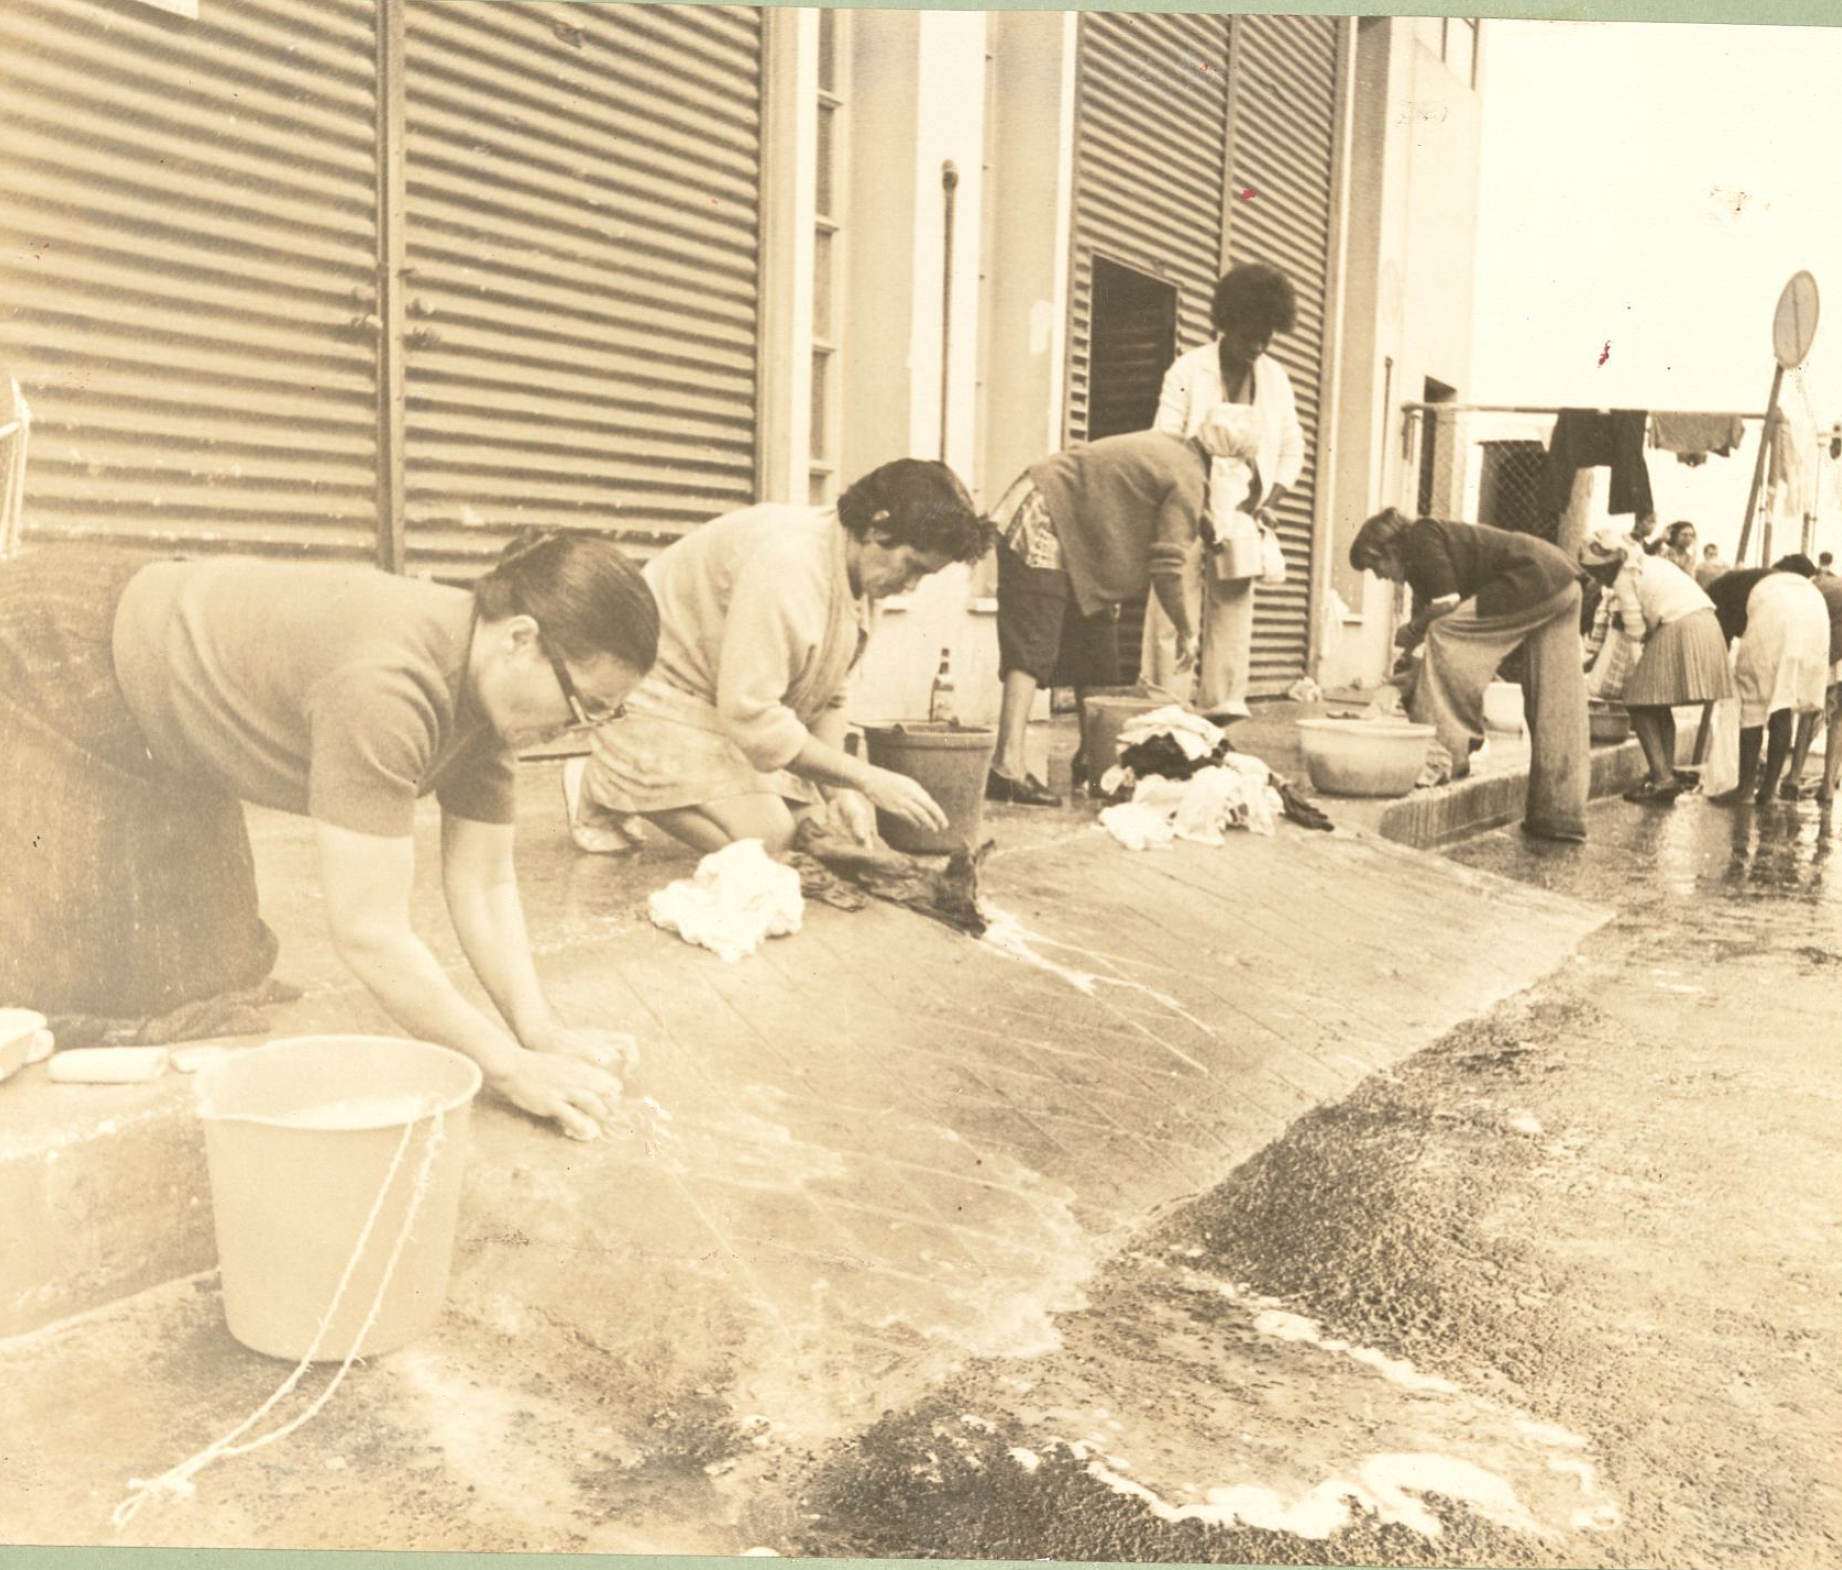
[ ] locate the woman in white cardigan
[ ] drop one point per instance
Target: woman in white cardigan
(1252, 302)
(763, 614)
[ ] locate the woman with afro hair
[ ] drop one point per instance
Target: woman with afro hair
(1252, 302)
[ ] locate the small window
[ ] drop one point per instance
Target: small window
(828, 51)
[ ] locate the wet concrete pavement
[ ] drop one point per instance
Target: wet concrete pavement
(1564, 1289)
(847, 1168)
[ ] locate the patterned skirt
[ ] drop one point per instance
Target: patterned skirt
(128, 891)
(1685, 661)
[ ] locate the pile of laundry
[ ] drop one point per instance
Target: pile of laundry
(1179, 777)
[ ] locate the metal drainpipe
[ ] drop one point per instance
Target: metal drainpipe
(949, 185)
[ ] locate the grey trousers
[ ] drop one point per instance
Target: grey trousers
(1463, 651)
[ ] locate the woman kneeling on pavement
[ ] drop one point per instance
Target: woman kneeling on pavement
(1481, 594)
(1684, 658)
(1782, 624)
(1088, 529)
(763, 614)
(145, 700)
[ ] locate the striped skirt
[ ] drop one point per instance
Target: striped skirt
(127, 892)
(1685, 661)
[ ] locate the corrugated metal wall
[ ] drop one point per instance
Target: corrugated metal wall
(1150, 138)
(583, 238)
(187, 261)
(1283, 140)
(1175, 116)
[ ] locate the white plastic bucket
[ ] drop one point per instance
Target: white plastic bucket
(305, 1138)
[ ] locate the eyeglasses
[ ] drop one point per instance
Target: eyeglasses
(585, 717)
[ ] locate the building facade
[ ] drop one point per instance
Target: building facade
(391, 279)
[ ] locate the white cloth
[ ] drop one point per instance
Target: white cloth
(738, 897)
(1653, 591)
(1783, 661)
(1195, 735)
(1137, 826)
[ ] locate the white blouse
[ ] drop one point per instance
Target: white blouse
(1193, 385)
(1653, 591)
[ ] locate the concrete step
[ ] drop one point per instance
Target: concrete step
(872, 1151)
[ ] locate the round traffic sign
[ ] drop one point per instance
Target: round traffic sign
(1794, 323)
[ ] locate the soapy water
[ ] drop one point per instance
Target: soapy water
(355, 1112)
(1010, 937)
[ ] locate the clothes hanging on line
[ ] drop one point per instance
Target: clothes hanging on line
(1691, 437)
(1590, 439)
(1788, 489)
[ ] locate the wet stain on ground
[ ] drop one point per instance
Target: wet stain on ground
(1583, 1245)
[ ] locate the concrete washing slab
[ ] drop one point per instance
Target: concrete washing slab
(847, 1165)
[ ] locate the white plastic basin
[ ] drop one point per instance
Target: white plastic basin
(1364, 757)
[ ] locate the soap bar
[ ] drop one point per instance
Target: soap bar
(108, 1065)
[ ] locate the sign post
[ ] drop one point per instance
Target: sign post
(1793, 331)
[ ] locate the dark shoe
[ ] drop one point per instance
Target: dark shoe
(1026, 792)
(1655, 794)
(1729, 798)
(1790, 791)
(1690, 778)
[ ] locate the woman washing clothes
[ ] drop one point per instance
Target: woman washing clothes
(763, 615)
(1781, 671)
(1087, 529)
(1683, 657)
(146, 700)
(1252, 302)
(1480, 594)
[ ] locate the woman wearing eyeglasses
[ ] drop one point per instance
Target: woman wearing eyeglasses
(144, 701)
(763, 614)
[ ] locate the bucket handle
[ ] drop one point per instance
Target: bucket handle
(177, 1481)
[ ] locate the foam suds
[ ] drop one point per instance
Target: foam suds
(1598, 1512)
(1283, 1325)
(1385, 1486)
(1009, 936)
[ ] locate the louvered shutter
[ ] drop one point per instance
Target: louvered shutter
(1283, 152)
(187, 264)
(1150, 134)
(583, 239)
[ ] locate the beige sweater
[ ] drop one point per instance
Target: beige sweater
(756, 618)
